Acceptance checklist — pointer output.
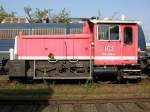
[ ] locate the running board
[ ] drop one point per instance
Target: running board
(62, 78)
(131, 70)
(135, 77)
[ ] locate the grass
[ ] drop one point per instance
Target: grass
(75, 91)
(103, 91)
(3, 77)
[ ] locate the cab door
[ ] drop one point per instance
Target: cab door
(129, 43)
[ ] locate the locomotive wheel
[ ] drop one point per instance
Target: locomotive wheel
(11, 79)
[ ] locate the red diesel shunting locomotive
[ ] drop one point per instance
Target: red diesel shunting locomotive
(105, 47)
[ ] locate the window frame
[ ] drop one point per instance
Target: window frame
(109, 32)
(130, 42)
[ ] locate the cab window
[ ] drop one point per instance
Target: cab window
(128, 35)
(108, 32)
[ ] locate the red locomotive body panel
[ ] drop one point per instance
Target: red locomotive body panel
(62, 47)
(97, 44)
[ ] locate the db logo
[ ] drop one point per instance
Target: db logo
(109, 48)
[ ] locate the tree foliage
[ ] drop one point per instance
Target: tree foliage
(35, 16)
(40, 15)
(28, 13)
(4, 14)
(62, 17)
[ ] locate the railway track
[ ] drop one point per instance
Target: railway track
(86, 105)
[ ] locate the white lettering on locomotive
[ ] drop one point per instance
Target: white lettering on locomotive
(109, 48)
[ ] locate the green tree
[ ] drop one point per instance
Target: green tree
(35, 16)
(28, 12)
(40, 14)
(62, 17)
(4, 14)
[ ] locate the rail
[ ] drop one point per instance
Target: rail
(86, 105)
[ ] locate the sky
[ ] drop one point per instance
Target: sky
(132, 9)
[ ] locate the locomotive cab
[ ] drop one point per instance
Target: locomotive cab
(116, 48)
(116, 43)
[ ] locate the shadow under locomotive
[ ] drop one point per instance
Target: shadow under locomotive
(25, 100)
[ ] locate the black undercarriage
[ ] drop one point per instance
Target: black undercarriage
(71, 69)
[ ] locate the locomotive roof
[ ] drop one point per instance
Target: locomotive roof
(115, 21)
